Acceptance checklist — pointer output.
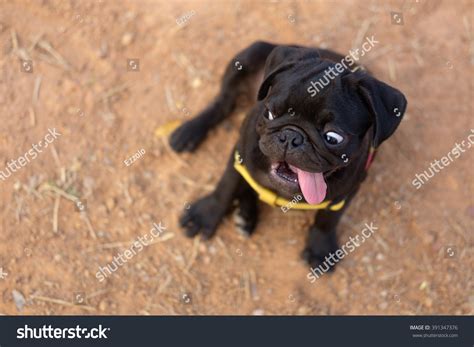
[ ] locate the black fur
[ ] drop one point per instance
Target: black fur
(364, 109)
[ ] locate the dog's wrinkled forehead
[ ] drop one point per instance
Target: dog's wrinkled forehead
(293, 77)
(336, 101)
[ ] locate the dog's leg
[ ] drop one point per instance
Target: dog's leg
(205, 214)
(322, 238)
(241, 73)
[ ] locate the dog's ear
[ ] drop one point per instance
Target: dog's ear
(268, 79)
(281, 59)
(386, 104)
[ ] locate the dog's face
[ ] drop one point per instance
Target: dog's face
(308, 138)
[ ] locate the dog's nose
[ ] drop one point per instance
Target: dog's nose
(291, 138)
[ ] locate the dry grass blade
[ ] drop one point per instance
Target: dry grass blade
(14, 40)
(165, 284)
(382, 243)
(167, 128)
(467, 26)
(89, 225)
(32, 114)
(164, 238)
(194, 253)
(169, 99)
(381, 52)
(121, 244)
(190, 182)
(19, 51)
(61, 302)
(55, 213)
(55, 156)
(253, 285)
(96, 293)
(35, 42)
(59, 191)
(58, 58)
(390, 275)
(186, 63)
(457, 228)
(361, 33)
(36, 89)
(114, 90)
(226, 251)
(18, 210)
(392, 70)
(247, 285)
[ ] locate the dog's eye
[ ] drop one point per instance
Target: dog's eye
(333, 138)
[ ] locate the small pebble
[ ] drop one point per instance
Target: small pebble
(110, 203)
(19, 299)
(212, 249)
(196, 83)
(303, 310)
(17, 185)
(104, 50)
(127, 38)
(102, 306)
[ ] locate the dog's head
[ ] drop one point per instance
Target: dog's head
(313, 123)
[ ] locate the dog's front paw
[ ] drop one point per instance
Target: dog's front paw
(203, 217)
(188, 136)
(321, 249)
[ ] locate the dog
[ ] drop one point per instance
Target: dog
(297, 142)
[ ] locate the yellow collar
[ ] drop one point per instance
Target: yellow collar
(272, 199)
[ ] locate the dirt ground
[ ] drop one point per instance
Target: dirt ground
(79, 79)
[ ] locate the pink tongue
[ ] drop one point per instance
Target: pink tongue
(312, 185)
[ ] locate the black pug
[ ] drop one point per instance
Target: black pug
(308, 136)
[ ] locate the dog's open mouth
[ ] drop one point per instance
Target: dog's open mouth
(285, 171)
(312, 184)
